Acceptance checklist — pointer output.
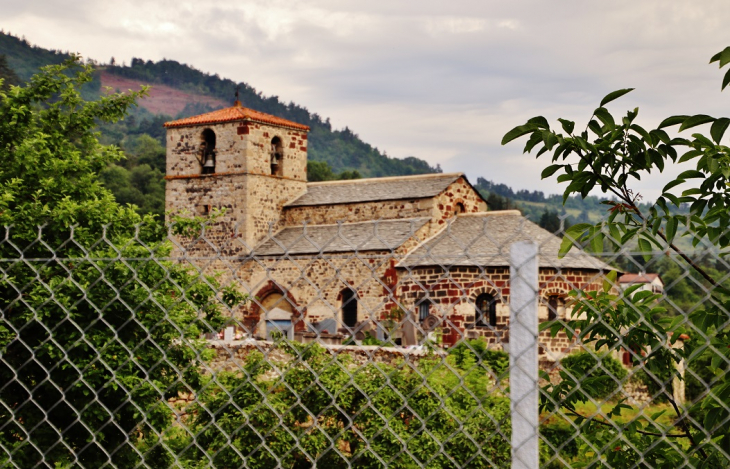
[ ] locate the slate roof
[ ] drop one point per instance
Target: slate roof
(232, 114)
(374, 189)
(484, 239)
(377, 235)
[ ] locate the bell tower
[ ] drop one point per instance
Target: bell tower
(241, 161)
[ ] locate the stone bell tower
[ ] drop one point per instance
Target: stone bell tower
(240, 160)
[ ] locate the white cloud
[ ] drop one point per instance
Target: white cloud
(441, 81)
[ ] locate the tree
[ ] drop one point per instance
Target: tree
(96, 333)
(607, 155)
(7, 75)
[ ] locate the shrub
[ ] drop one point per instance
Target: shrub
(600, 380)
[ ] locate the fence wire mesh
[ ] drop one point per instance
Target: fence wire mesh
(375, 344)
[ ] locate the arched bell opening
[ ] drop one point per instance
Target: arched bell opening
(207, 152)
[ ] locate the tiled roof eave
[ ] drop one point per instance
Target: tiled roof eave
(293, 126)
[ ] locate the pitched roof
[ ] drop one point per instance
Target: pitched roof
(484, 239)
(374, 189)
(638, 278)
(377, 235)
(233, 114)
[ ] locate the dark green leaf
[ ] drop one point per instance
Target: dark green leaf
(718, 128)
(550, 170)
(694, 121)
(540, 122)
(691, 174)
(672, 224)
(518, 132)
(614, 95)
(725, 80)
(674, 183)
(605, 117)
(674, 120)
(568, 126)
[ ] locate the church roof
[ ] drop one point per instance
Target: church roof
(375, 189)
(377, 235)
(233, 114)
(484, 239)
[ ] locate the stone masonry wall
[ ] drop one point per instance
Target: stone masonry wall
(242, 184)
(453, 294)
(240, 147)
(439, 208)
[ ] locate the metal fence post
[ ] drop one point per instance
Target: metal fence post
(523, 354)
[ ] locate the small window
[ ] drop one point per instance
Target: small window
(205, 210)
(460, 208)
(424, 309)
(349, 307)
(207, 152)
(277, 157)
(556, 307)
(486, 310)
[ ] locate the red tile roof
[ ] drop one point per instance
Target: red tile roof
(232, 114)
(637, 278)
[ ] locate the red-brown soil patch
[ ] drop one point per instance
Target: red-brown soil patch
(162, 99)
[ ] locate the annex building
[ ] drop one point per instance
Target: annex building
(408, 257)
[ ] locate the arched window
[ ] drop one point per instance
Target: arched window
(349, 307)
(486, 310)
(207, 152)
(460, 208)
(277, 157)
(424, 309)
(556, 307)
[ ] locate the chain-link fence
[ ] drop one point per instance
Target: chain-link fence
(359, 345)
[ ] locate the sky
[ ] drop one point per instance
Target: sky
(442, 81)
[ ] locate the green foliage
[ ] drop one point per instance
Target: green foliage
(321, 171)
(604, 373)
(92, 345)
(475, 352)
(323, 410)
(608, 155)
(7, 75)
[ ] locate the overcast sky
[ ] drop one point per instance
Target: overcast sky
(439, 80)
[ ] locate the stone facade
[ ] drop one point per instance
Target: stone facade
(304, 252)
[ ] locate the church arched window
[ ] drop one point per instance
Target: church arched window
(277, 157)
(486, 310)
(207, 152)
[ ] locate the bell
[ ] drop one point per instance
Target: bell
(209, 163)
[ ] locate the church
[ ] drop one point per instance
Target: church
(404, 258)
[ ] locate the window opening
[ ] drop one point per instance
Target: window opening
(460, 208)
(486, 310)
(556, 307)
(349, 307)
(207, 152)
(423, 309)
(277, 157)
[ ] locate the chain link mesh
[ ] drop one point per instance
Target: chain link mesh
(338, 346)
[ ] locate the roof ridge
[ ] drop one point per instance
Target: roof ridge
(492, 213)
(387, 178)
(378, 220)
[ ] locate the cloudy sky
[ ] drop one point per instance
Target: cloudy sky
(439, 80)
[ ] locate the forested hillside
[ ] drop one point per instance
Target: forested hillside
(333, 153)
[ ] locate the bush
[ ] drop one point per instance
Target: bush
(471, 352)
(598, 380)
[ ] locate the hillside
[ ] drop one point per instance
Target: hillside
(179, 90)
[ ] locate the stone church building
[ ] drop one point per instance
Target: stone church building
(408, 257)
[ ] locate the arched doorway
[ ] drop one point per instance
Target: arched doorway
(349, 307)
(276, 316)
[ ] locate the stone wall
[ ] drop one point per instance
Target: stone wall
(452, 295)
(439, 208)
(241, 147)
